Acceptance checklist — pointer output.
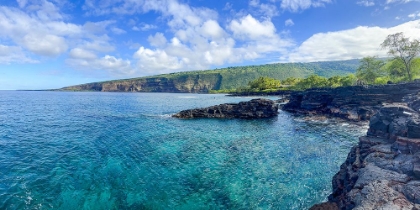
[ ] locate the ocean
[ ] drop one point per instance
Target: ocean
(94, 150)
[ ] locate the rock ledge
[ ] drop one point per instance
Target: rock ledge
(383, 170)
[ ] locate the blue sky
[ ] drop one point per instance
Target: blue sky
(55, 43)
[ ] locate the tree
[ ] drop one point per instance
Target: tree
(334, 81)
(369, 69)
(264, 83)
(312, 82)
(401, 48)
(348, 80)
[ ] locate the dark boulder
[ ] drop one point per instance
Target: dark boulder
(256, 108)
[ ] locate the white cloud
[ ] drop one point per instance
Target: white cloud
(114, 66)
(47, 45)
(39, 29)
(34, 33)
(298, 5)
(268, 10)
(22, 3)
(414, 15)
(289, 22)
(194, 38)
(212, 30)
(144, 27)
(228, 6)
(348, 44)
(158, 40)
(151, 60)
(118, 31)
(13, 54)
(97, 27)
(78, 53)
(399, 1)
(250, 28)
(366, 3)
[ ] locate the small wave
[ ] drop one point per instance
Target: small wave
(158, 115)
(187, 97)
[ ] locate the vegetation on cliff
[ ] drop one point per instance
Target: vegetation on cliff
(226, 79)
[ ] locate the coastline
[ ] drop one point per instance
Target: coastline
(383, 170)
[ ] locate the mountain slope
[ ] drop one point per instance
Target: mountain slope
(226, 78)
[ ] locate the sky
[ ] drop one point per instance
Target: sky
(47, 44)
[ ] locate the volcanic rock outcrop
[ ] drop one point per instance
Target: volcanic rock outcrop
(256, 108)
(355, 103)
(383, 170)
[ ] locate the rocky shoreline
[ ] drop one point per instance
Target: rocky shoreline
(354, 103)
(383, 170)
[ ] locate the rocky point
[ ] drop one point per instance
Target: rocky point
(256, 108)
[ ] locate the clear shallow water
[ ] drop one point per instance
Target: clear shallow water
(64, 150)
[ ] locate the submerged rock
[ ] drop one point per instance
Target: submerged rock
(256, 108)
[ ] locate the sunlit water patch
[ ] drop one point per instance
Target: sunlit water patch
(64, 150)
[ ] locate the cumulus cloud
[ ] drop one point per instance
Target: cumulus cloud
(79, 53)
(298, 5)
(158, 60)
(114, 66)
(38, 28)
(349, 44)
(118, 31)
(47, 45)
(366, 3)
(414, 15)
(34, 33)
(249, 28)
(158, 40)
(289, 22)
(13, 54)
(212, 30)
(195, 39)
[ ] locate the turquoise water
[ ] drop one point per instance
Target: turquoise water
(64, 150)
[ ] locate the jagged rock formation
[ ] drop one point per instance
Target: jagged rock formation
(356, 103)
(383, 170)
(256, 108)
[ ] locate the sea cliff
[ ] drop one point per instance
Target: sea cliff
(180, 84)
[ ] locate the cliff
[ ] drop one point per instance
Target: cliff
(181, 84)
(355, 103)
(226, 78)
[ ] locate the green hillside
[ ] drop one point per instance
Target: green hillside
(225, 78)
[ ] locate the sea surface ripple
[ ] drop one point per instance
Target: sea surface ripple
(88, 150)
